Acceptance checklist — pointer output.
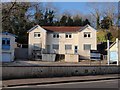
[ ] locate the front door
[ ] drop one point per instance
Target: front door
(76, 49)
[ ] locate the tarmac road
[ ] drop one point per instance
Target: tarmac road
(114, 83)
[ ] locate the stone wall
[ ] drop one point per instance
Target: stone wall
(56, 71)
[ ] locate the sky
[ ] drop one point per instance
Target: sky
(62, 0)
(81, 7)
(72, 6)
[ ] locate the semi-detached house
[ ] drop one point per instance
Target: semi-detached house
(63, 40)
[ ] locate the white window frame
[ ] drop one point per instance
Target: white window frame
(66, 47)
(68, 34)
(55, 45)
(87, 33)
(36, 33)
(56, 35)
(37, 46)
(84, 46)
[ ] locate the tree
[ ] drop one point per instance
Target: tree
(50, 17)
(7, 9)
(63, 20)
(96, 13)
(70, 21)
(17, 23)
(38, 15)
(101, 36)
(86, 22)
(106, 23)
(77, 20)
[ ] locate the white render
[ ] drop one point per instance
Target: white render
(71, 58)
(77, 39)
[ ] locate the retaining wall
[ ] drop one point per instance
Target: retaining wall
(56, 71)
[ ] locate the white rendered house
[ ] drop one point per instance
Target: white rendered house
(63, 40)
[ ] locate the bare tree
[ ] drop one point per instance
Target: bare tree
(6, 9)
(95, 10)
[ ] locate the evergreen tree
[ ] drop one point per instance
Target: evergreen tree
(106, 23)
(86, 22)
(70, 21)
(77, 21)
(63, 20)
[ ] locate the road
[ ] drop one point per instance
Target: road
(88, 84)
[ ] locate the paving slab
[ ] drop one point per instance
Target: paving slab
(40, 63)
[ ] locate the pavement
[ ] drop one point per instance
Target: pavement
(44, 81)
(41, 63)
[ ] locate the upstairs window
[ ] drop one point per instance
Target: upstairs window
(6, 43)
(37, 34)
(68, 35)
(55, 35)
(3, 42)
(87, 34)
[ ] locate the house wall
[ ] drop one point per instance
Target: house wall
(71, 58)
(33, 40)
(12, 46)
(62, 41)
(92, 40)
(12, 42)
(76, 40)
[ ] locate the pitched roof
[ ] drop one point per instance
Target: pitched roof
(6, 33)
(62, 28)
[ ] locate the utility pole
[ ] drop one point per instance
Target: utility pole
(117, 42)
(118, 32)
(118, 51)
(108, 52)
(108, 46)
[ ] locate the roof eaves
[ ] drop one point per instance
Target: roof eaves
(84, 27)
(6, 33)
(32, 28)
